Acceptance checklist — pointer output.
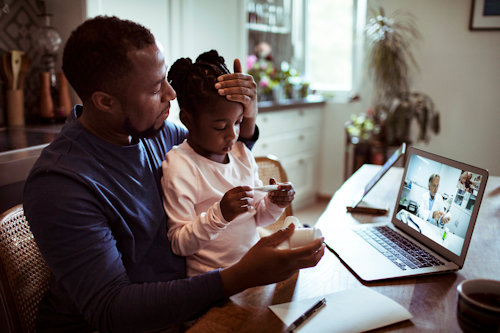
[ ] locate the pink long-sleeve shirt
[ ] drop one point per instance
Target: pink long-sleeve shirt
(192, 188)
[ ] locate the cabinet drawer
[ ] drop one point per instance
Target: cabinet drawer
(274, 123)
(287, 144)
(300, 172)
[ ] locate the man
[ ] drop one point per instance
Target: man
(431, 207)
(466, 183)
(93, 198)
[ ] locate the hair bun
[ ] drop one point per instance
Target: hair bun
(212, 58)
(179, 72)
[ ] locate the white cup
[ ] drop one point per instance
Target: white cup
(301, 236)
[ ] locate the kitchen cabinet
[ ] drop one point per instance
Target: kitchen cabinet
(293, 136)
(185, 28)
(271, 22)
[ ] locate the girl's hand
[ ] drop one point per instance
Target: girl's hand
(236, 201)
(283, 196)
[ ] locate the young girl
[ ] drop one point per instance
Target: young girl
(208, 180)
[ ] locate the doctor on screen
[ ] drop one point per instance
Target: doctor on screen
(431, 206)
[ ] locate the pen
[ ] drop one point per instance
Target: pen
(299, 321)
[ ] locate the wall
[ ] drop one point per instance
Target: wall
(459, 69)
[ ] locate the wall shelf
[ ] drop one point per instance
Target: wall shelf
(268, 28)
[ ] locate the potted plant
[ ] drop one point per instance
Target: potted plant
(397, 109)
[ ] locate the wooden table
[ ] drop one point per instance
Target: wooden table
(430, 299)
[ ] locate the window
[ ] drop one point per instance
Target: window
(332, 51)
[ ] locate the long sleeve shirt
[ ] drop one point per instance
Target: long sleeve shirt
(193, 186)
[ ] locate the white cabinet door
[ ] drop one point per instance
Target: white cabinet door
(301, 172)
(293, 136)
(153, 14)
(185, 28)
(198, 26)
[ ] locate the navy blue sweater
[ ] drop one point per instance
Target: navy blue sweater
(96, 212)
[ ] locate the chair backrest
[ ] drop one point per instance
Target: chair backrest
(270, 166)
(24, 276)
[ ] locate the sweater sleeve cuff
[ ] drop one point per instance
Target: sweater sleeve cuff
(251, 141)
(215, 288)
(274, 209)
(217, 217)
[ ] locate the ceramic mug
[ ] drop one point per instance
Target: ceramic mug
(301, 236)
(478, 306)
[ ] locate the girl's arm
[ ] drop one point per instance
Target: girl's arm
(188, 231)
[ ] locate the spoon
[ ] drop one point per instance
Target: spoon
(16, 58)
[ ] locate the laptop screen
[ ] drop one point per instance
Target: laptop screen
(387, 165)
(439, 198)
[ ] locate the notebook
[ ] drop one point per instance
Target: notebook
(358, 198)
(443, 237)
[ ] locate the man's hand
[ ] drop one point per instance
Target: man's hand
(264, 263)
(437, 215)
(240, 87)
(236, 201)
(283, 196)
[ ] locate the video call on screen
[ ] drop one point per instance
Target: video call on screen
(455, 199)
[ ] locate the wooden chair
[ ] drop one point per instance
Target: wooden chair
(24, 276)
(270, 166)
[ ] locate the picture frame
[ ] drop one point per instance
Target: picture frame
(484, 15)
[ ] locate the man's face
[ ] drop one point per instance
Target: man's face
(433, 187)
(146, 100)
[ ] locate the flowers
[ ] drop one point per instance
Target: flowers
(261, 67)
(363, 127)
(273, 83)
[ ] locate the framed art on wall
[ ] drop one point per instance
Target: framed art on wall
(485, 15)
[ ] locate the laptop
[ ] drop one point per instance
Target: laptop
(416, 241)
(357, 205)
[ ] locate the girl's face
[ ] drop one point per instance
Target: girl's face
(214, 131)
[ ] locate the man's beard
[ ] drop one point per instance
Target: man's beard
(136, 134)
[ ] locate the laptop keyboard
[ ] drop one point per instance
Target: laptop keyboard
(402, 252)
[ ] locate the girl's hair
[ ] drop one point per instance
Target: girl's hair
(194, 82)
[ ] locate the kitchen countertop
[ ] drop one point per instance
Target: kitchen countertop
(309, 101)
(15, 138)
(19, 149)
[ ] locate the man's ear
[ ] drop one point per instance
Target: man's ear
(186, 118)
(103, 101)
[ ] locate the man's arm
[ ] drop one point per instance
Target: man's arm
(78, 244)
